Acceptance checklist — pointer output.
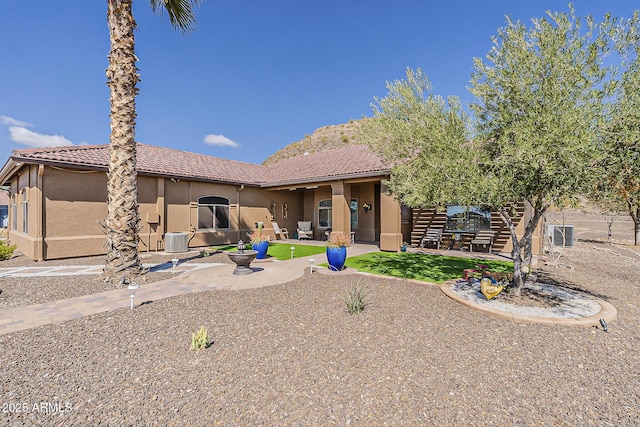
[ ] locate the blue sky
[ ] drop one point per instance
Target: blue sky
(252, 78)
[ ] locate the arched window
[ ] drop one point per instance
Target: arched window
(213, 213)
(324, 213)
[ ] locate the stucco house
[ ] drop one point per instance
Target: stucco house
(57, 197)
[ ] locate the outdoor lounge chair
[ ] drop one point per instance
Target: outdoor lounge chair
(305, 230)
(432, 235)
(282, 232)
(484, 238)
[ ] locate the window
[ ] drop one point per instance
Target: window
(4, 216)
(468, 218)
(324, 213)
(354, 213)
(213, 213)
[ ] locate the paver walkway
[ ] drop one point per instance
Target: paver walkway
(198, 279)
(79, 270)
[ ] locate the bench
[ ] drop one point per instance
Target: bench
(484, 238)
(432, 235)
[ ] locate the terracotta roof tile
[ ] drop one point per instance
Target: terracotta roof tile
(355, 160)
(322, 166)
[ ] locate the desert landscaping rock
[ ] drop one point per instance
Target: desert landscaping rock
(290, 354)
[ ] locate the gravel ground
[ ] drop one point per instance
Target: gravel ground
(291, 355)
(21, 291)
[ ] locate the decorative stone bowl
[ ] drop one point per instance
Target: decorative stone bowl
(243, 260)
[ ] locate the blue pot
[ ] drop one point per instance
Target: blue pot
(336, 257)
(262, 248)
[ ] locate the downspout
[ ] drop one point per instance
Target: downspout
(238, 190)
(40, 215)
(192, 205)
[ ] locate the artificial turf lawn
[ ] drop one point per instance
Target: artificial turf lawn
(282, 251)
(428, 268)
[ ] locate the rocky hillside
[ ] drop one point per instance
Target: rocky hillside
(324, 138)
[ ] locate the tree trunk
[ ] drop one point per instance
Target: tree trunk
(518, 279)
(519, 273)
(636, 227)
(123, 218)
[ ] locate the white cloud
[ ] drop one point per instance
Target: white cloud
(13, 122)
(24, 136)
(220, 141)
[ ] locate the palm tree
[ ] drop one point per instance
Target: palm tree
(123, 217)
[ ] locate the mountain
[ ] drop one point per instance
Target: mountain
(324, 138)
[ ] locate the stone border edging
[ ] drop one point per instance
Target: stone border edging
(607, 311)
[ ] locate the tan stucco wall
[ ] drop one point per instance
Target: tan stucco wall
(390, 222)
(74, 203)
(65, 207)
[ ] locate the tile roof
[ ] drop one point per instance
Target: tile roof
(340, 163)
(354, 161)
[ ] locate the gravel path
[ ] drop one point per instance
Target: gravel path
(291, 355)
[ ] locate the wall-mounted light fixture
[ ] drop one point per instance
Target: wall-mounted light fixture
(366, 206)
(175, 179)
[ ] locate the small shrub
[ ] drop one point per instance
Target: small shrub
(200, 339)
(204, 253)
(5, 250)
(355, 299)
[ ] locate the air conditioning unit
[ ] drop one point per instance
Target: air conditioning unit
(556, 231)
(175, 242)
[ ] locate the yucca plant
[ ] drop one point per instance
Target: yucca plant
(355, 298)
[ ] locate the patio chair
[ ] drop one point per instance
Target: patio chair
(432, 235)
(484, 238)
(282, 232)
(305, 230)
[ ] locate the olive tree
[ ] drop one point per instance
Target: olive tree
(426, 139)
(619, 185)
(539, 94)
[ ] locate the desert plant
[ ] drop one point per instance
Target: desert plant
(204, 253)
(200, 339)
(338, 239)
(355, 298)
(257, 236)
(5, 250)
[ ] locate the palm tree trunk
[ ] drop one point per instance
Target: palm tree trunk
(123, 218)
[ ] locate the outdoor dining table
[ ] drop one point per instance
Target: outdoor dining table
(458, 236)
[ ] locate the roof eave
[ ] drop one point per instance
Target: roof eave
(340, 177)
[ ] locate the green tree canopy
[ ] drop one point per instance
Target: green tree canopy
(619, 185)
(426, 140)
(539, 105)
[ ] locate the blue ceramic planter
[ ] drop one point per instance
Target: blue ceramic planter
(336, 257)
(261, 248)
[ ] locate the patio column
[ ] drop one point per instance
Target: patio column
(390, 221)
(341, 215)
